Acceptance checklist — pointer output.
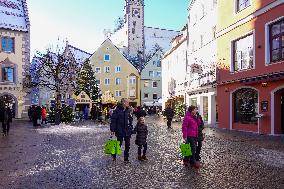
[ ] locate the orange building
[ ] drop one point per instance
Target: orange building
(250, 49)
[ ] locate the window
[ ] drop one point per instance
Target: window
(146, 95)
(117, 93)
(193, 46)
(8, 44)
(203, 10)
(214, 32)
(98, 82)
(117, 69)
(132, 80)
(97, 70)
(107, 69)
(214, 2)
(201, 40)
(8, 74)
(242, 4)
(107, 57)
(158, 74)
(117, 81)
(245, 106)
(243, 53)
(277, 41)
(146, 83)
(151, 74)
(155, 96)
(155, 84)
(158, 63)
(107, 81)
(133, 30)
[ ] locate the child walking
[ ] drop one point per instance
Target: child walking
(141, 138)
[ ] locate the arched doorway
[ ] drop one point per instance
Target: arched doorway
(278, 113)
(10, 101)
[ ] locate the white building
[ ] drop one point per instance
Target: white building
(151, 81)
(174, 69)
(202, 49)
(134, 36)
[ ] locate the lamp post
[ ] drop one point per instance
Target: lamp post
(140, 59)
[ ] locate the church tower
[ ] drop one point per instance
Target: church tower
(134, 19)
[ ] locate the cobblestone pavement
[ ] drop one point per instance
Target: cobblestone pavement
(72, 157)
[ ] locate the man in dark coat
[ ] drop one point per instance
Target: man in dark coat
(6, 118)
(121, 126)
(169, 113)
(140, 113)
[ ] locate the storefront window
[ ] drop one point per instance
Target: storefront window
(245, 106)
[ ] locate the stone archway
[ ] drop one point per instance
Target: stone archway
(11, 101)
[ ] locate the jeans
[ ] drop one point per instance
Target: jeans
(127, 146)
(169, 122)
(198, 150)
(192, 141)
(144, 149)
(6, 127)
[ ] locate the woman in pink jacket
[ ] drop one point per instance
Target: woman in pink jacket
(190, 134)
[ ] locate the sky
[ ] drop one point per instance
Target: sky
(82, 22)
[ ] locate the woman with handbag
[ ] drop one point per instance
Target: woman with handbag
(190, 135)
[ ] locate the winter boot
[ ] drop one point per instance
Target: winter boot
(140, 158)
(144, 158)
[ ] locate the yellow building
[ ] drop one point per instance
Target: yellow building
(14, 55)
(116, 76)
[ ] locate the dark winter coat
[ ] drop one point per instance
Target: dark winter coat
(200, 128)
(169, 113)
(141, 134)
(6, 115)
(121, 122)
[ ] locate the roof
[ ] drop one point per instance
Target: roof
(80, 55)
(14, 15)
(107, 40)
(162, 37)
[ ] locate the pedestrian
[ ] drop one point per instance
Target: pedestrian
(34, 115)
(86, 112)
(200, 137)
(169, 113)
(93, 112)
(30, 113)
(190, 135)
(43, 115)
(38, 115)
(141, 132)
(6, 119)
(100, 115)
(121, 126)
(140, 112)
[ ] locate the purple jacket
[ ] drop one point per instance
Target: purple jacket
(190, 126)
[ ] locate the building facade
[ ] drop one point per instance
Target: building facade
(202, 58)
(14, 55)
(250, 71)
(116, 76)
(151, 81)
(174, 70)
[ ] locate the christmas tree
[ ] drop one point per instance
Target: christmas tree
(86, 81)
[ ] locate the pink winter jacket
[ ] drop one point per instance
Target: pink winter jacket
(190, 126)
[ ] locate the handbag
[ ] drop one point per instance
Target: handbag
(112, 147)
(185, 149)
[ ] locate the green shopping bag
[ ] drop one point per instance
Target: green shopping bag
(112, 147)
(185, 149)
